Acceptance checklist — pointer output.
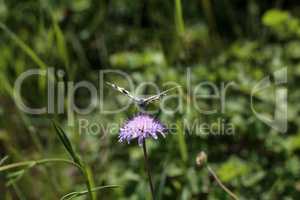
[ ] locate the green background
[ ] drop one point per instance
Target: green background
(156, 41)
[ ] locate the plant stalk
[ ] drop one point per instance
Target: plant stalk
(38, 162)
(147, 168)
(88, 184)
(231, 194)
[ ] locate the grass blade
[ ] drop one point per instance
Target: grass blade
(28, 51)
(61, 43)
(179, 22)
(2, 161)
(68, 146)
(32, 163)
(81, 193)
(182, 143)
(23, 46)
(66, 142)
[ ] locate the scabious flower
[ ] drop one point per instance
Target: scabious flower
(141, 127)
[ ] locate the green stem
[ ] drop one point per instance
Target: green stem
(147, 168)
(88, 182)
(33, 163)
(179, 22)
(38, 162)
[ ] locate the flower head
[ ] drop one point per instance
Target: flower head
(141, 127)
(201, 159)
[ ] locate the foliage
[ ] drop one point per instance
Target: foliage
(158, 41)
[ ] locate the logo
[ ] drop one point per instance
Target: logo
(277, 120)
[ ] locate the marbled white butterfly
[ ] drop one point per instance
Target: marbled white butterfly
(138, 100)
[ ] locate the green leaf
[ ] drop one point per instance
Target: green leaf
(61, 43)
(81, 193)
(292, 143)
(179, 18)
(27, 50)
(66, 142)
(233, 168)
(3, 160)
(17, 175)
(275, 17)
(137, 59)
(23, 46)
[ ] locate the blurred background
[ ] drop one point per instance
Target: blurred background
(156, 41)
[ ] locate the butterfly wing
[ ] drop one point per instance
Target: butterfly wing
(123, 91)
(158, 96)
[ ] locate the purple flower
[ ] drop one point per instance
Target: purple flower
(141, 127)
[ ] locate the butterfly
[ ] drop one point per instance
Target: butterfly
(140, 101)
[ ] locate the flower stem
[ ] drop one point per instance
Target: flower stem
(88, 182)
(147, 168)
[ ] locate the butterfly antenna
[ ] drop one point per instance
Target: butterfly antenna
(168, 90)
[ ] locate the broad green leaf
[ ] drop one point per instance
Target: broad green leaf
(275, 17)
(233, 168)
(292, 143)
